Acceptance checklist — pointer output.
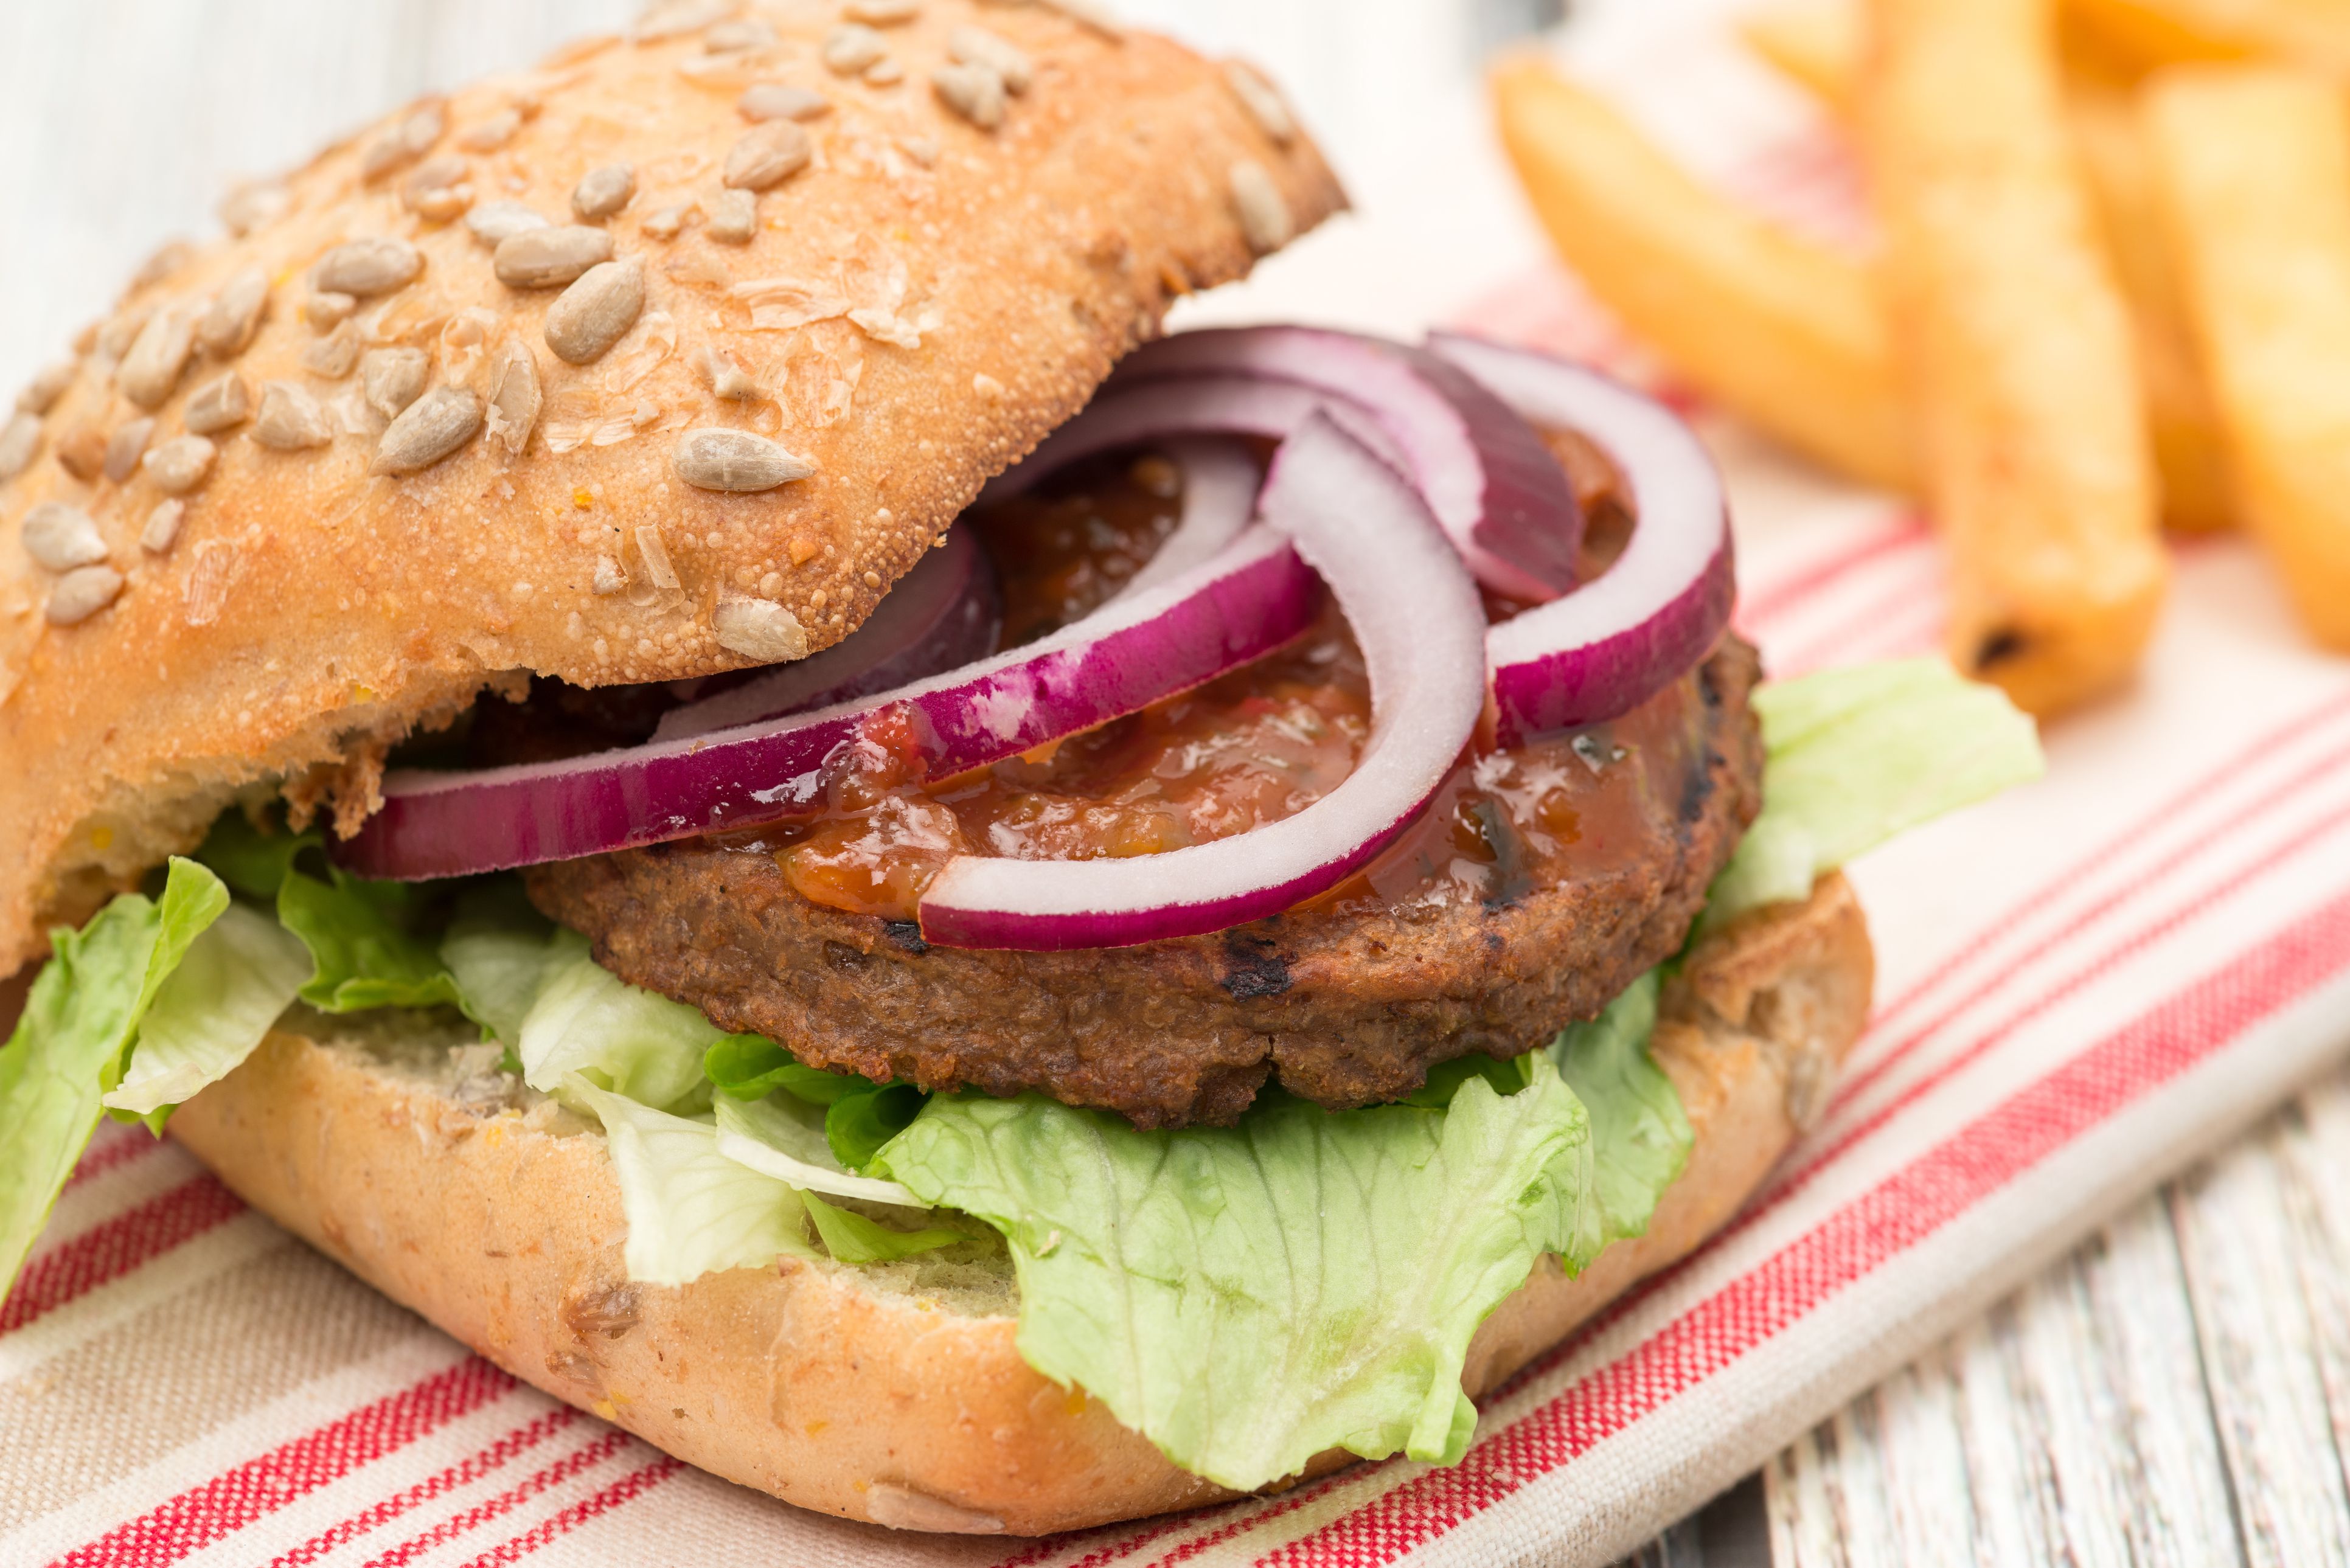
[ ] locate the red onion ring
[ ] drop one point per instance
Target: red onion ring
(940, 616)
(1251, 600)
(1219, 485)
(1614, 643)
(1487, 477)
(1416, 613)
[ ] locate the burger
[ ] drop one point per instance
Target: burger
(650, 709)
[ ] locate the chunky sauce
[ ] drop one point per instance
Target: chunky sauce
(1252, 748)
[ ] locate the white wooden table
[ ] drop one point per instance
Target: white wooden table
(2177, 1392)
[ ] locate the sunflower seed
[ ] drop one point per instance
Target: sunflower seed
(594, 313)
(774, 100)
(432, 427)
(82, 453)
(850, 48)
(42, 392)
(437, 192)
(180, 464)
(234, 313)
(734, 217)
(166, 259)
(884, 73)
(978, 46)
(759, 631)
(736, 461)
(152, 368)
(1264, 216)
(668, 223)
(1263, 102)
(250, 206)
(82, 593)
(327, 311)
(923, 149)
(61, 537)
(334, 355)
(365, 268)
(391, 378)
(162, 527)
(603, 191)
(610, 577)
(514, 396)
(218, 404)
(548, 258)
(678, 18)
(493, 222)
(882, 13)
(492, 133)
(124, 446)
(290, 419)
(20, 442)
(115, 338)
(734, 37)
(405, 142)
(767, 156)
(1092, 13)
(974, 92)
(727, 379)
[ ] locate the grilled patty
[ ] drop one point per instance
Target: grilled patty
(1347, 1003)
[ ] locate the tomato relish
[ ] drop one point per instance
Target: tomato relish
(1257, 746)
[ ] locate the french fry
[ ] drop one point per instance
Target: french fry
(2188, 450)
(1818, 42)
(1782, 330)
(2018, 347)
(2315, 34)
(2253, 167)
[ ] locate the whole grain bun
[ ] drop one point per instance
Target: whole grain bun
(977, 210)
(895, 1394)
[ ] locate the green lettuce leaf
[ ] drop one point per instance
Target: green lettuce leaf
(68, 1048)
(851, 1238)
(869, 1115)
(361, 952)
(587, 1022)
(1856, 756)
(752, 1067)
(1640, 1137)
(691, 1210)
(1247, 1297)
(236, 978)
(784, 1137)
(250, 861)
(500, 952)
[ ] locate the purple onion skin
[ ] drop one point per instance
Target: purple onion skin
(1527, 534)
(624, 800)
(1605, 679)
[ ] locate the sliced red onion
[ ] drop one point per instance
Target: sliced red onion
(940, 616)
(1609, 646)
(1416, 613)
(1489, 478)
(1254, 597)
(1219, 486)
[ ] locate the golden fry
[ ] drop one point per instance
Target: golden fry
(2253, 166)
(2018, 346)
(2188, 450)
(2315, 34)
(1817, 42)
(1783, 331)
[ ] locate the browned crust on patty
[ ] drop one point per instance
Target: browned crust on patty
(1344, 1008)
(308, 612)
(885, 1395)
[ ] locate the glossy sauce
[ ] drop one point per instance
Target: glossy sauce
(1252, 748)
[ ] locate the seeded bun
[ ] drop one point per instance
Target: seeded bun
(855, 268)
(894, 1393)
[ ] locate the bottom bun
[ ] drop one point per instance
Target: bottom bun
(894, 1393)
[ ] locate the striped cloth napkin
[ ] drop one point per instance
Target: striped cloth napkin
(2083, 985)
